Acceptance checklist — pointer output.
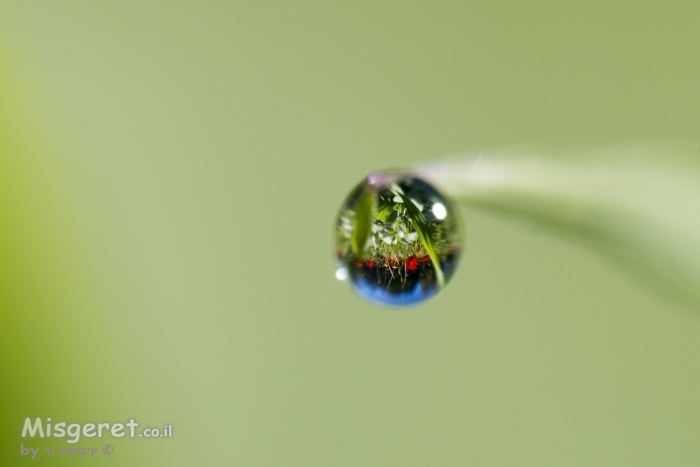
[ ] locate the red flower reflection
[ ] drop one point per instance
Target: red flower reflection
(411, 263)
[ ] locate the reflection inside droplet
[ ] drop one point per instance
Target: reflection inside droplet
(398, 240)
(439, 211)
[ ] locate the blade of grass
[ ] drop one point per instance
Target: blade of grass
(424, 236)
(632, 205)
(363, 225)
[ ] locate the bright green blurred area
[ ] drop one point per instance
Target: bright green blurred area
(169, 174)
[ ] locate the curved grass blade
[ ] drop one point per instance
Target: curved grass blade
(363, 225)
(424, 235)
(638, 206)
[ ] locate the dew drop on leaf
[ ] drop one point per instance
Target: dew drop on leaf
(397, 239)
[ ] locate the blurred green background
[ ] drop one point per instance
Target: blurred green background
(169, 174)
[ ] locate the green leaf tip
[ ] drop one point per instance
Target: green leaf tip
(638, 205)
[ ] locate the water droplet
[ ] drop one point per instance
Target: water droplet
(398, 239)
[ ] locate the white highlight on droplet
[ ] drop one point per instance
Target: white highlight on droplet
(439, 211)
(341, 274)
